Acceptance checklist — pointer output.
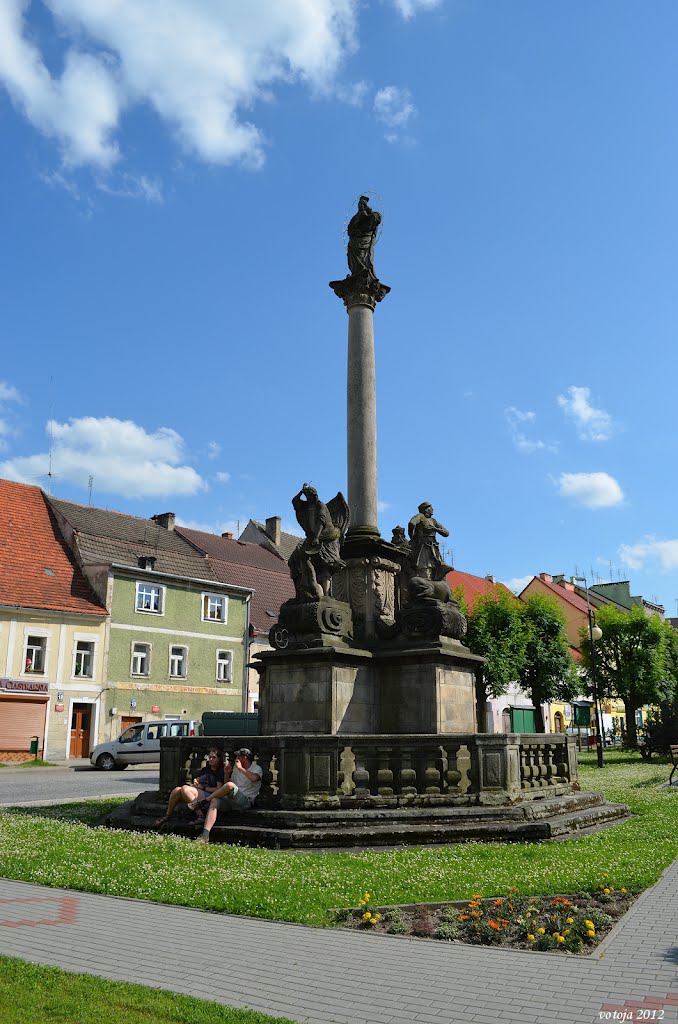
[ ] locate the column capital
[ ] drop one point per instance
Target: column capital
(360, 290)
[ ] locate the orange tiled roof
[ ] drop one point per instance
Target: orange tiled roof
(474, 586)
(562, 593)
(37, 570)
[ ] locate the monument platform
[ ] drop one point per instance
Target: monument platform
(323, 791)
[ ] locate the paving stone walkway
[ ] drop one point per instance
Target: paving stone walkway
(318, 976)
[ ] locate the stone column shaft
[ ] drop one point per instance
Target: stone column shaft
(362, 422)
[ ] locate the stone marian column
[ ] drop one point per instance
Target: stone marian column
(361, 291)
(361, 417)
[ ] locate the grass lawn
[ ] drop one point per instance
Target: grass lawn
(29, 993)
(54, 846)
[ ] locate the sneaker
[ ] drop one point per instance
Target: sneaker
(204, 837)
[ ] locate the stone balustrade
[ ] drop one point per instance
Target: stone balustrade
(318, 771)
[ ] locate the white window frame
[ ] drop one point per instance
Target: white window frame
(41, 634)
(228, 678)
(149, 647)
(205, 599)
(84, 638)
(180, 647)
(140, 585)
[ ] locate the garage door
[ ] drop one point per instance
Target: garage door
(19, 721)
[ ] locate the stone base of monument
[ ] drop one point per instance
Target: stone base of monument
(419, 686)
(550, 818)
(388, 790)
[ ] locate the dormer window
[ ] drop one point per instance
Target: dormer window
(146, 562)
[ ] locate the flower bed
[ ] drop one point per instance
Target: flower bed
(567, 924)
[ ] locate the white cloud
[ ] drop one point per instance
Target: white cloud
(8, 393)
(516, 419)
(132, 187)
(222, 478)
(518, 583)
(592, 424)
(408, 8)
(594, 490)
(394, 108)
(383, 506)
(198, 66)
(663, 553)
(213, 449)
(122, 457)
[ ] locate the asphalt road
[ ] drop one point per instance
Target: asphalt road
(55, 785)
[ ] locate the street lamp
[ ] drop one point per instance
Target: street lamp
(595, 634)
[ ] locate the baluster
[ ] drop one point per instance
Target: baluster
(347, 766)
(384, 771)
(429, 773)
(452, 773)
(408, 776)
(361, 776)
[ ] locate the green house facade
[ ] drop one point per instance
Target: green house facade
(177, 637)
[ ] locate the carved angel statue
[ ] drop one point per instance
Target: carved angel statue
(316, 558)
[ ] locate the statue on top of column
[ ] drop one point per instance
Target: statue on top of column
(362, 237)
(361, 286)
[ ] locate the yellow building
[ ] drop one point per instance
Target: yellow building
(52, 636)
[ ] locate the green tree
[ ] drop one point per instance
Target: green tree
(636, 660)
(547, 671)
(496, 631)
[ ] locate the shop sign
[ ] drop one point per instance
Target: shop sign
(26, 686)
(58, 707)
(155, 709)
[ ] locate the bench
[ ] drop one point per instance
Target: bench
(673, 751)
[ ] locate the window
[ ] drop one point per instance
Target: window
(178, 662)
(141, 659)
(83, 664)
(156, 731)
(132, 735)
(150, 598)
(224, 666)
(35, 656)
(214, 607)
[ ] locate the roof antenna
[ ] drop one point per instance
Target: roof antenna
(91, 481)
(51, 444)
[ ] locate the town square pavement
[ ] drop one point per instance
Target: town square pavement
(317, 976)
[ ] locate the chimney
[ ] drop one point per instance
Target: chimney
(491, 579)
(545, 577)
(273, 530)
(165, 520)
(227, 536)
(568, 586)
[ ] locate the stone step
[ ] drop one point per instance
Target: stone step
(259, 829)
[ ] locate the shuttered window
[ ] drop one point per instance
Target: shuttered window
(19, 721)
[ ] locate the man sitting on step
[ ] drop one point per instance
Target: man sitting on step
(240, 790)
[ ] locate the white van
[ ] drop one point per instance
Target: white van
(140, 744)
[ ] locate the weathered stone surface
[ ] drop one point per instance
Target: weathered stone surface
(305, 623)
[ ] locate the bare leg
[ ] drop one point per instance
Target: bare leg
(184, 793)
(211, 817)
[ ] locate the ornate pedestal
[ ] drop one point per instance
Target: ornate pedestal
(329, 690)
(304, 623)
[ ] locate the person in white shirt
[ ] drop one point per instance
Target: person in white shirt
(240, 789)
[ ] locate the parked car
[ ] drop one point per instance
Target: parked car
(140, 743)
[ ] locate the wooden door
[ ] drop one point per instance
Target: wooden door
(128, 720)
(81, 719)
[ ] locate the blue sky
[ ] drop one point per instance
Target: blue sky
(175, 184)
